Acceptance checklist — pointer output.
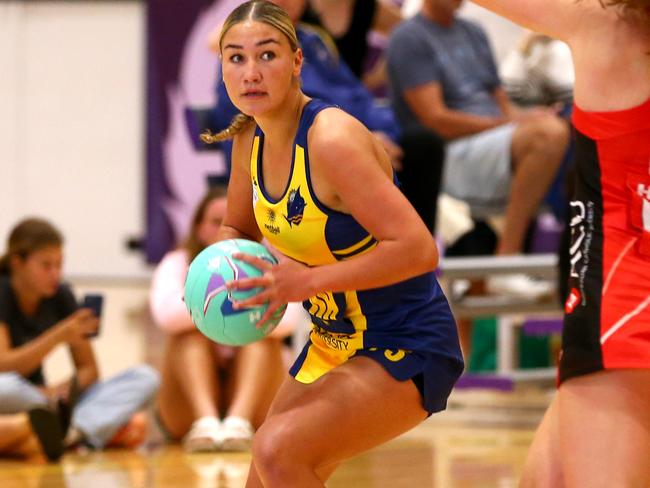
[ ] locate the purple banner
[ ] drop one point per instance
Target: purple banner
(181, 74)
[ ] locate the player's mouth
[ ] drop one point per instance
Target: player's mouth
(254, 94)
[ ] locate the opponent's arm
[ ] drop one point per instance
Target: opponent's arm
(556, 18)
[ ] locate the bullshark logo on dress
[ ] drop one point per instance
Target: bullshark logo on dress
(295, 207)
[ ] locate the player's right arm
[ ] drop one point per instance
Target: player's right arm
(556, 18)
(239, 221)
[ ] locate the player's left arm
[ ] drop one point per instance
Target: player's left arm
(350, 167)
(358, 172)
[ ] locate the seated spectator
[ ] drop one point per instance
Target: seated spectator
(38, 313)
(498, 158)
(350, 23)
(416, 154)
(201, 380)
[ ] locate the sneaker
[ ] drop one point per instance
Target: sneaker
(203, 435)
(236, 434)
(520, 286)
(46, 425)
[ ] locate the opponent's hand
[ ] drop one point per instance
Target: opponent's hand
(287, 281)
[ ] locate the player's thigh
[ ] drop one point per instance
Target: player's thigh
(605, 429)
(349, 410)
(543, 467)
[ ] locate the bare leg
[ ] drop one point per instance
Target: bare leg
(543, 467)
(258, 374)
(189, 383)
(17, 438)
(312, 427)
(605, 426)
(538, 146)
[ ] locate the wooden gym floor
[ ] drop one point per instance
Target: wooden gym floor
(479, 442)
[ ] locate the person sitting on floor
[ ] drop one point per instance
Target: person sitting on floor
(37, 313)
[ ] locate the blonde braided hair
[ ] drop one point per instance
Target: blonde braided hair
(238, 123)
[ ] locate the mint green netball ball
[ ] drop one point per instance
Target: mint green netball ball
(210, 304)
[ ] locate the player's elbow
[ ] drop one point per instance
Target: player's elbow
(426, 257)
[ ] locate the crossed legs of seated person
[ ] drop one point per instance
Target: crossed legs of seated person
(203, 382)
(19, 438)
(100, 413)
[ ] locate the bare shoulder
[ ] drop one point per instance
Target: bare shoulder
(241, 146)
(335, 136)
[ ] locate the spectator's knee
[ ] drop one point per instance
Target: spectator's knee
(147, 378)
(10, 383)
(554, 130)
(545, 135)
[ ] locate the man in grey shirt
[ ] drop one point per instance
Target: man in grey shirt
(443, 77)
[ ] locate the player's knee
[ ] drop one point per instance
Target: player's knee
(275, 452)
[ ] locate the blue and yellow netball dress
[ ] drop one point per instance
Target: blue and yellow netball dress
(407, 327)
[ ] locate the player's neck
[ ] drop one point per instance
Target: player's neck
(280, 126)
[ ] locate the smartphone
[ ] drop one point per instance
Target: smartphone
(94, 302)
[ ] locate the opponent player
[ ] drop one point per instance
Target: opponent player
(383, 353)
(597, 430)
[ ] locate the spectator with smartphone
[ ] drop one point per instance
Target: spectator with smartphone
(37, 313)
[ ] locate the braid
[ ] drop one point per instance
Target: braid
(238, 123)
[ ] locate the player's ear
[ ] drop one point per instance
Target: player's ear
(297, 62)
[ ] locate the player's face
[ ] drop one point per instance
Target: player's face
(40, 271)
(211, 223)
(258, 67)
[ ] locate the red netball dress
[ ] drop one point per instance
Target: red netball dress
(607, 321)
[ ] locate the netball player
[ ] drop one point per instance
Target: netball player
(383, 353)
(597, 430)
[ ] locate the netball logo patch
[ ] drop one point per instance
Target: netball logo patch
(295, 207)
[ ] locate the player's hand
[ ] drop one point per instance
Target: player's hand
(287, 281)
(79, 325)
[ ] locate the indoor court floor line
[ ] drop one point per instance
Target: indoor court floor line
(479, 442)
